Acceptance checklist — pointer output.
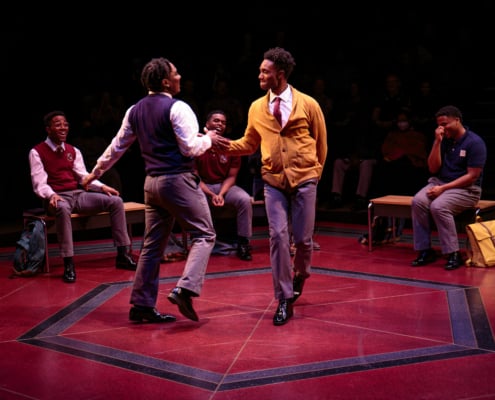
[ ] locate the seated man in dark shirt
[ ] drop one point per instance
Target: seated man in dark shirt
(218, 174)
(456, 162)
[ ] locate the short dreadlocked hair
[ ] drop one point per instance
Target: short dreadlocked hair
(282, 59)
(154, 72)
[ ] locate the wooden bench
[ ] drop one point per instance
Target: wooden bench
(134, 213)
(400, 207)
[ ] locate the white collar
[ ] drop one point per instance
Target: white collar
(52, 144)
(284, 96)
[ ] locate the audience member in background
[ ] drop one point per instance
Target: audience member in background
(223, 99)
(57, 171)
(456, 162)
(92, 143)
(353, 147)
(425, 101)
(167, 131)
(218, 173)
(387, 104)
(361, 161)
(402, 169)
(319, 93)
(293, 152)
(189, 95)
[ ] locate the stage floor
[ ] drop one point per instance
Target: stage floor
(367, 326)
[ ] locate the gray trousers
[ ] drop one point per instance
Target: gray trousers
(300, 206)
(340, 168)
(83, 202)
(237, 198)
(171, 198)
(441, 212)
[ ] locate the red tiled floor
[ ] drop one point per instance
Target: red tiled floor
(367, 326)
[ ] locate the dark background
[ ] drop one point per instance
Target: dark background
(53, 60)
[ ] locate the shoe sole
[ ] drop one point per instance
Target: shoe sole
(449, 268)
(281, 323)
(190, 314)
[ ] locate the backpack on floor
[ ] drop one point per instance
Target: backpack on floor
(481, 247)
(29, 255)
(379, 231)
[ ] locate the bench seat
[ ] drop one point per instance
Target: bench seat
(134, 213)
(400, 207)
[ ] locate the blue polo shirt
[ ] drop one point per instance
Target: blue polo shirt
(468, 151)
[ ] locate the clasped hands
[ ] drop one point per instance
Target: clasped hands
(217, 200)
(434, 192)
(219, 142)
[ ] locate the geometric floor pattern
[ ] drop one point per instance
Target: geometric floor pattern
(368, 326)
(471, 335)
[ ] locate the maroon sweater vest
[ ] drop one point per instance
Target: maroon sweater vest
(59, 167)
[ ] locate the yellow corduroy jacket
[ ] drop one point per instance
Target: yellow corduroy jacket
(290, 155)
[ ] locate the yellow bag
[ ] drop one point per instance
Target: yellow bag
(481, 251)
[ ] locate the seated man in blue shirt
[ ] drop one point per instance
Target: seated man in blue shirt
(456, 162)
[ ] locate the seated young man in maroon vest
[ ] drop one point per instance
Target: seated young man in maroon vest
(57, 168)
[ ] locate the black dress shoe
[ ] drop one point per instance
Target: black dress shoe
(149, 314)
(284, 312)
(454, 261)
(425, 257)
(244, 252)
(69, 273)
(182, 298)
(125, 261)
(298, 284)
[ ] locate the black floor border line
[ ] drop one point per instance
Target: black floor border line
(359, 367)
(465, 304)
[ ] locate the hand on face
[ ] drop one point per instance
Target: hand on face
(439, 133)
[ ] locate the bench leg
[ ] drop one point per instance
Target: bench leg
(370, 229)
(46, 267)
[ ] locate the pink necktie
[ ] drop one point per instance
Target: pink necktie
(276, 110)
